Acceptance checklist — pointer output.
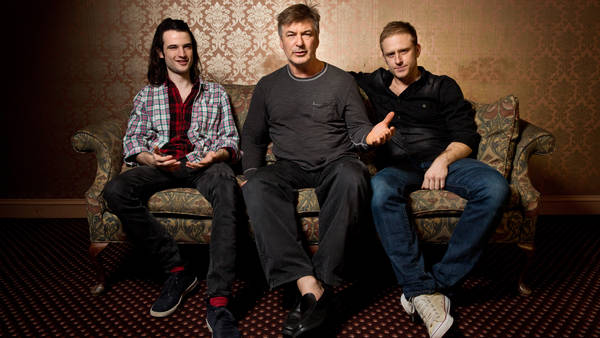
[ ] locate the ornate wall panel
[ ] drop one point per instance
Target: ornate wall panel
(90, 59)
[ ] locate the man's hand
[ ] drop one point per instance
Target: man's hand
(211, 157)
(381, 132)
(158, 160)
(435, 176)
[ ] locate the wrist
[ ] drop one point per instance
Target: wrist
(443, 159)
(223, 154)
(142, 158)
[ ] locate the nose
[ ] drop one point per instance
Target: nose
(299, 41)
(397, 59)
(180, 52)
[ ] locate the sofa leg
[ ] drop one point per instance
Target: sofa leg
(94, 250)
(528, 249)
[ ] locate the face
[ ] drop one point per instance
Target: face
(299, 42)
(177, 52)
(400, 54)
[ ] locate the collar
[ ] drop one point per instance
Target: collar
(387, 77)
(198, 84)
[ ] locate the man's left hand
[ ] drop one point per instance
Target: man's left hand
(435, 176)
(210, 158)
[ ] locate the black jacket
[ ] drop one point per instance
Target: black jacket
(429, 115)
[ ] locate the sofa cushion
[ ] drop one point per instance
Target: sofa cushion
(436, 202)
(428, 203)
(497, 123)
(180, 201)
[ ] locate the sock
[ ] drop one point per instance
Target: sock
(218, 301)
(177, 269)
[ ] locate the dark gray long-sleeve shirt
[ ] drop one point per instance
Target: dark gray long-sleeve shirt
(311, 121)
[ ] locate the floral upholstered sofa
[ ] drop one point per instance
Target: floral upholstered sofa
(507, 144)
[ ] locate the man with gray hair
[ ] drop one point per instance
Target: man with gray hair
(316, 119)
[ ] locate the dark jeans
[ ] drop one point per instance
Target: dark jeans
(484, 189)
(127, 196)
(342, 189)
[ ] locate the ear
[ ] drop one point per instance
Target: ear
(281, 42)
(160, 53)
(418, 50)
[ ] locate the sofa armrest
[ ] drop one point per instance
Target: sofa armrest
(105, 140)
(533, 140)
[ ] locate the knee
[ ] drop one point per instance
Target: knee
(352, 174)
(382, 192)
(253, 185)
(255, 188)
(496, 188)
(113, 193)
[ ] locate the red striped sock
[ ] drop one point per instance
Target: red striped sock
(218, 301)
(177, 269)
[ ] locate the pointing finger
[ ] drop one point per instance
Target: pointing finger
(388, 118)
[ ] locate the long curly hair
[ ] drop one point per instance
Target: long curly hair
(157, 68)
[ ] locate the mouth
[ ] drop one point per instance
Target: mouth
(299, 53)
(182, 62)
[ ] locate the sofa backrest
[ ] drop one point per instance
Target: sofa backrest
(497, 123)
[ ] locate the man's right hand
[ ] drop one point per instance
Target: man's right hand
(381, 132)
(158, 160)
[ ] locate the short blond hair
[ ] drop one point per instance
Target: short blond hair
(398, 27)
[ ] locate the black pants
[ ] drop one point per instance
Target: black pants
(127, 196)
(342, 189)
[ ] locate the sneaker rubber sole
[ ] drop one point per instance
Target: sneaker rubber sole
(446, 324)
(171, 310)
(409, 307)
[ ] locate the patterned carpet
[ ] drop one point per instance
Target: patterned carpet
(45, 278)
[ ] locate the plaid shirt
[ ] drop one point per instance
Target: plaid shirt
(212, 126)
(181, 115)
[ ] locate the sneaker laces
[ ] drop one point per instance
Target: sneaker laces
(171, 284)
(427, 310)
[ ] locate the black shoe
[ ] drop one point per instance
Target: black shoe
(177, 285)
(221, 322)
(290, 325)
(308, 315)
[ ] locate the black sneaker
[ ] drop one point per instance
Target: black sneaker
(177, 285)
(221, 322)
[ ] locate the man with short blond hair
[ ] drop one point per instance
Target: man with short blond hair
(314, 115)
(434, 148)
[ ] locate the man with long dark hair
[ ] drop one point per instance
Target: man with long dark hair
(313, 113)
(181, 133)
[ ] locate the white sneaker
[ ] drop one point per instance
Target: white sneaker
(434, 309)
(408, 306)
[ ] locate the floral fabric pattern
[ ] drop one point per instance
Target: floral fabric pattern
(507, 144)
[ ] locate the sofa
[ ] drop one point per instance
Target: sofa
(507, 143)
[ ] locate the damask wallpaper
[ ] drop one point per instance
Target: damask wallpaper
(71, 63)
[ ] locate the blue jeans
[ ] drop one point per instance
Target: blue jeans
(484, 189)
